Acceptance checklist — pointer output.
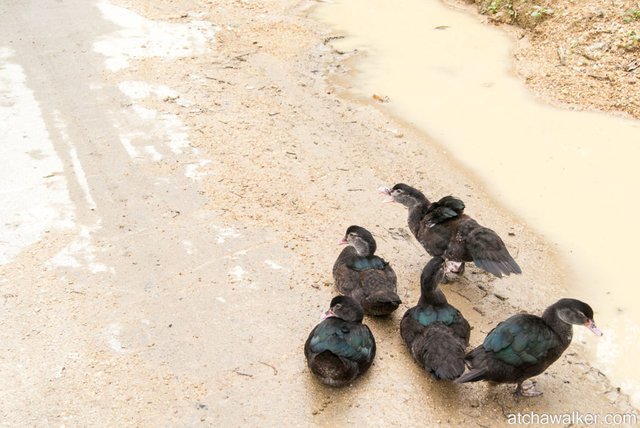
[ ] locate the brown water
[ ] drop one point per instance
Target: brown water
(571, 175)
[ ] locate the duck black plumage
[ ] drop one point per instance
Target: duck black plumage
(524, 345)
(444, 230)
(364, 276)
(340, 348)
(435, 332)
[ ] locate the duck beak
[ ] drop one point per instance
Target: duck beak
(342, 241)
(591, 325)
(328, 314)
(386, 191)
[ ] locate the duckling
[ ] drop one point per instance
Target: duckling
(444, 230)
(525, 345)
(364, 276)
(435, 332)
(340, 348)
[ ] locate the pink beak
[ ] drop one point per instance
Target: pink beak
(342, 241)
(328, 314)
(592, 326)
(386, 191)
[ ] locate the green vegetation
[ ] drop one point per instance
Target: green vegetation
(540, 12)
(631, 15)
(525, 13)
(496, 6)
(633, 39)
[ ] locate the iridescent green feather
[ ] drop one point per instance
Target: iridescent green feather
(517, 342)
(353, 341)
(429, 314)
(366, 263)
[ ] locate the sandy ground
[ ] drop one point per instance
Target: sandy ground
(582, 54)
(212, 285)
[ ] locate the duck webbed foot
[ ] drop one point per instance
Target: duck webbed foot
(527, 389)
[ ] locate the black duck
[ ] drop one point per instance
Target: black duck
(435, 332)
(524, 345)
(364, 276)
(444, 230)
(340, 348)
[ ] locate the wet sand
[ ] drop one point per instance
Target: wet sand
(192, 294)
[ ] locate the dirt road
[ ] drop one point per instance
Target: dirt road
(210, 167)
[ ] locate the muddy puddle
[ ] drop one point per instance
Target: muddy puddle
(570, 175)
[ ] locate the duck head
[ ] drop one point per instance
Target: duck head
(573, 311)
(345, 308)
(360, 239)
(432, 275)
(403, 194)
